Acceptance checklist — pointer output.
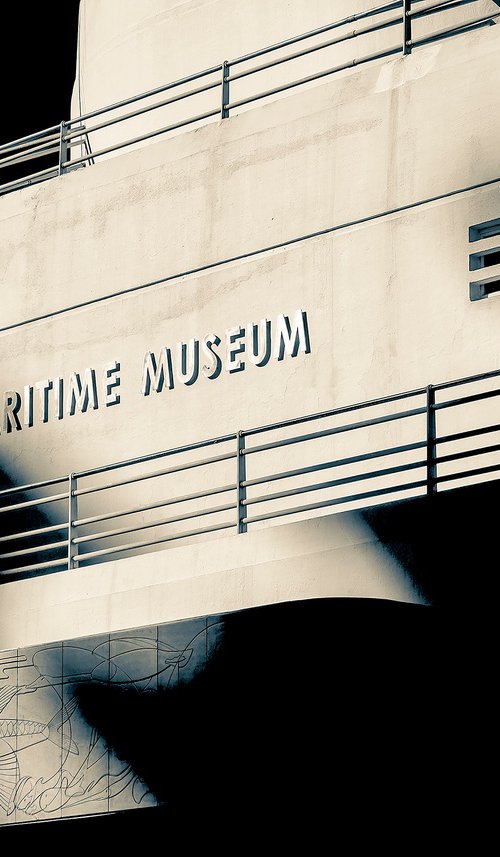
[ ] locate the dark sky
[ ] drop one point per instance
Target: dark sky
(37, 65)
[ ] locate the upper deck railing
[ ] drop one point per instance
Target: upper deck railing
(68, 146)
(425, 440)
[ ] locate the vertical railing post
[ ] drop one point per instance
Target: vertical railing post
(63, 148)
(241, 491)
(224, 112)
(431, 441)
(88, 148)
(72, 515)
(406, 27)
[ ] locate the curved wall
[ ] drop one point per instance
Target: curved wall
(126, 48)
(351, 201)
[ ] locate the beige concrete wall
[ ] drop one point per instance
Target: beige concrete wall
(388, 310)
(387, 299)
(337, 556)
(128, 47)
(382, 138)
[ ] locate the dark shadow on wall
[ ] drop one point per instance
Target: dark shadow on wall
(310, 717)
(322, 712)
(25, 520)
(447, 543)
(37, 70)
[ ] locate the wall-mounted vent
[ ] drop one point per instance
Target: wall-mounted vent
(484, 288)
(485, 259)
(488, 229)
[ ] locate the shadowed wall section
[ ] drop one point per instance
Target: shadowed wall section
(275, 714)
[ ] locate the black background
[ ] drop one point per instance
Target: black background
(422, 687)
(37, 72)
(37, 65)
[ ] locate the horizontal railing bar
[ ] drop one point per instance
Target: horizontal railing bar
(339, 462)
(150, 506)
(41, 502)
(22, 157)
(143, 476)
(311, 77)
(287, 441)
(41, 531)
(466, 400)
(449, 34)
(35, 549)
(334, 412)
(15, 151)
(33, 178)
(363, 31)
(467, 453)
(469, 379)
(32, 485)
(148, 108)
(36, 567)
(30, 138)
(143, 137)
(151, 524)
(414, 2)
(454, 31)
(463, 435)
(51, 133)
(134, 546)
(133, 98)
(152, 456)
(334, 483)
(351, 19)
(309, 507)
(442, 6)
(477, 471)
(78, 140)
(462, 454)
(69, 124)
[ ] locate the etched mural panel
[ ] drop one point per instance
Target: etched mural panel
(41, 715)
(79, 718)
(85, 769)
(9, 767)
(182, 651)
(133, 665)
(215, 635)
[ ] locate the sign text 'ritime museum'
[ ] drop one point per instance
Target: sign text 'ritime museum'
(185, 363)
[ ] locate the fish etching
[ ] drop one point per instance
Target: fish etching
(16, 735)
(71, 776)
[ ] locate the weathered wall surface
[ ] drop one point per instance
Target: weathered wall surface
(387, 300)
(126, 48)
(380, 162)
(389, 165)
(335, 556)
(119, 721)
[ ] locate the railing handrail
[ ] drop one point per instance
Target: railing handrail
(426, 469)
(63, 137)
(268, 427)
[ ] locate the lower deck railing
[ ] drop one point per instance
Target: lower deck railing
(405, 445)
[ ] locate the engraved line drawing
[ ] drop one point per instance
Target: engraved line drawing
(126, 660)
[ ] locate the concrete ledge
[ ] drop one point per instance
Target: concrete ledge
(333, 556)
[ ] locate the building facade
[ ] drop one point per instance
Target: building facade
(249, 357)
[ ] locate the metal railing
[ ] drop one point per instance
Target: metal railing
(59, 142)
(369, 452)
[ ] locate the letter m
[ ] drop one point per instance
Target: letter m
(81, 393)
(291, 336)
(154, 373)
